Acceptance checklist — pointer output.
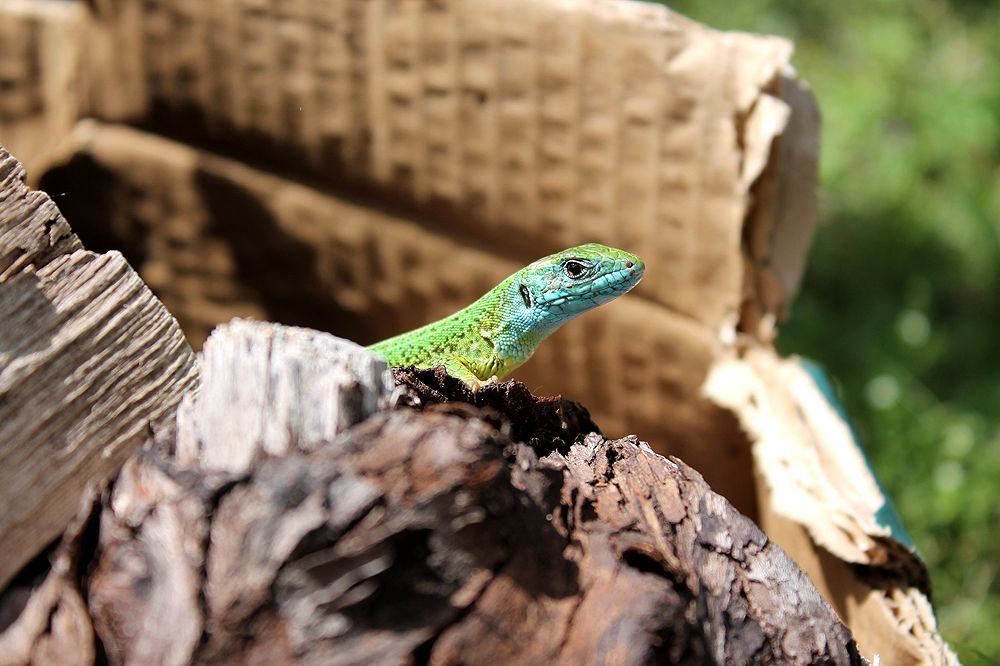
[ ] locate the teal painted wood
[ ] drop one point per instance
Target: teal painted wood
(501, 330)
(886, 516)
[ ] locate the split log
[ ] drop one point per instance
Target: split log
(88, 360)
(268, 389)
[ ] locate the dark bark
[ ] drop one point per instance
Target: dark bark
(435, 537)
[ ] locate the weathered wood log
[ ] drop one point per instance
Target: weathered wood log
(433, 533)
(269, 389)
(88, 360)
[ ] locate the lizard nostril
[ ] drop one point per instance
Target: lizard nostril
(629, 264)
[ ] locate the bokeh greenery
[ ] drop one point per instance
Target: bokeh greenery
(901, 300)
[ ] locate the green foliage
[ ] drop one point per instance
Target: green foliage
(901, 301)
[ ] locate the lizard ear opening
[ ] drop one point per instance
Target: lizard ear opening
(526, 295)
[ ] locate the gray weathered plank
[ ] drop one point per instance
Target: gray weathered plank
(270, 389)
(89, 358)
(32, 230)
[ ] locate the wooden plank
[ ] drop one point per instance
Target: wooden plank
(89, 359)
(32, 230)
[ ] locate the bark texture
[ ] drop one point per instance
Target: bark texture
(439, 532)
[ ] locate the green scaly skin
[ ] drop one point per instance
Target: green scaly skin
(486, 341)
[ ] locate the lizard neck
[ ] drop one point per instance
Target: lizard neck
(506, 325)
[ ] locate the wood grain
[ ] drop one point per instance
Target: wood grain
(268, 389)
(431, 535)
(89, 359)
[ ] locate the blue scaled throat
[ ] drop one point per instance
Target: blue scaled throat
(487, 340)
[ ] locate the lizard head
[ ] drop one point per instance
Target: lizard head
(563, 285)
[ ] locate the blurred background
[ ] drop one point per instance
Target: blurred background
(901, 300)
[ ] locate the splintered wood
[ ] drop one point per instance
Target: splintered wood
(89, 359)
(264, 395)
(431, 534)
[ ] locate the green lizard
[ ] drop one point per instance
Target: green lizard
(487, 340)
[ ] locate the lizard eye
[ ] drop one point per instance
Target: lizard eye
(574, 269)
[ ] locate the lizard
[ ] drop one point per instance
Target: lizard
(484, 342)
